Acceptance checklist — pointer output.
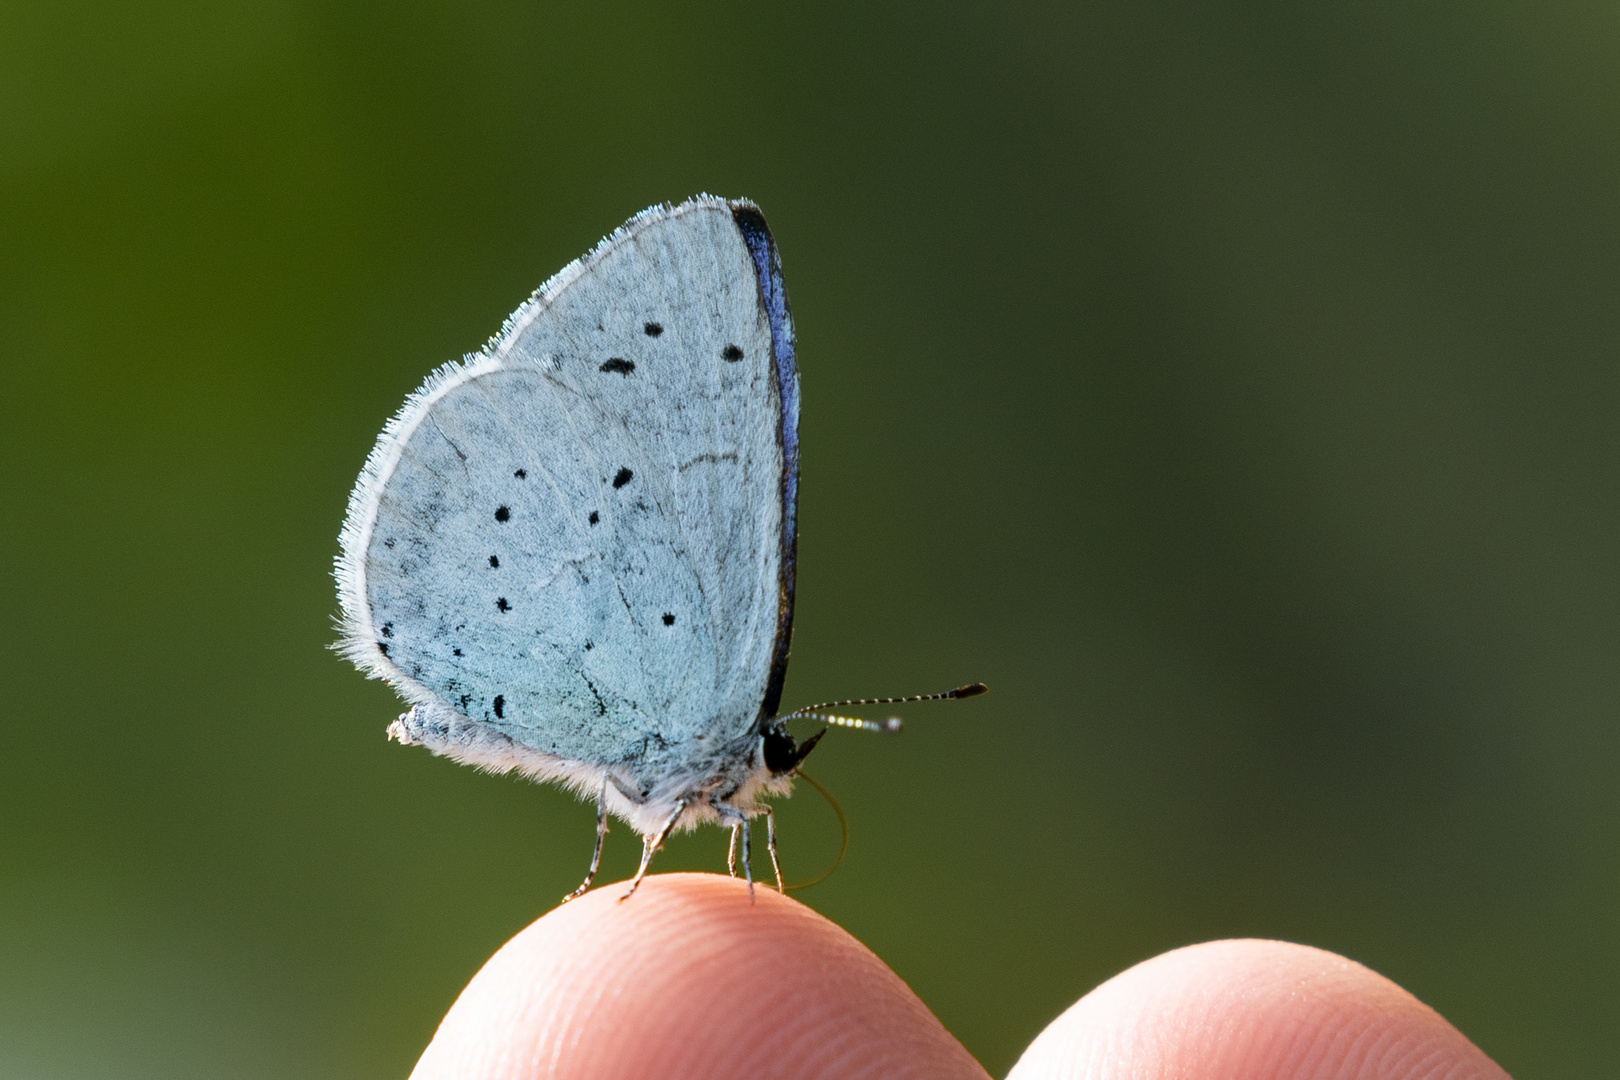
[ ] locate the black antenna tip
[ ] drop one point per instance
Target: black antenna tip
(970, 690)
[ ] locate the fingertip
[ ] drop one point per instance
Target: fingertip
(1260, 1010)
(689, 978)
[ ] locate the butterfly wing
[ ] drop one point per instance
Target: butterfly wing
(574, 551)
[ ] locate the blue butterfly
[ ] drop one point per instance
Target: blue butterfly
(573, 552)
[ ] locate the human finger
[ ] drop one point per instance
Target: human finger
(1255, 1010)
(689, 978)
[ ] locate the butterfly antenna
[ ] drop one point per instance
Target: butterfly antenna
(892, 724)
(970, 690)
(843, 835)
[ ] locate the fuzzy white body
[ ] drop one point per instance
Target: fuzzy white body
(572, 552)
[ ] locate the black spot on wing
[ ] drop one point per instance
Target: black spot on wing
(652, 329)
(503, 513)
(521, 474)
(387, 629)
(502, 605)
(494, 562)
(500, 707)
(382, 647)
(732, 353)
(669, 620)
(620, 478)
(595, 517)
(619, 365)
(456, 651)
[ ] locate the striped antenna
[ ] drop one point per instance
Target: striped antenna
(891, 724)
(970, 690)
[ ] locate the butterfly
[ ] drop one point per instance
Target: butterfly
(573, 552)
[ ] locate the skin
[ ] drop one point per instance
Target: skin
(689, 979)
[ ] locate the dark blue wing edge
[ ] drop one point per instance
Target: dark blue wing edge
(768, 266)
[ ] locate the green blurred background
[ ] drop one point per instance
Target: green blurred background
(1231, 386)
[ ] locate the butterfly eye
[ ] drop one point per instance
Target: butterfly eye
(783, 752)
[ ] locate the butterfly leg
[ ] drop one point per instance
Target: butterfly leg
(650, 844)
(748, 872)
(596, 856)
(770, 845)
(739, 828)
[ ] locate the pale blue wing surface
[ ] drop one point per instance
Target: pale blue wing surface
(581, 539)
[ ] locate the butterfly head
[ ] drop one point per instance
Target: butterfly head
(783, 753)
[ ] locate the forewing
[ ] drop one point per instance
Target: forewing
(580, 538)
